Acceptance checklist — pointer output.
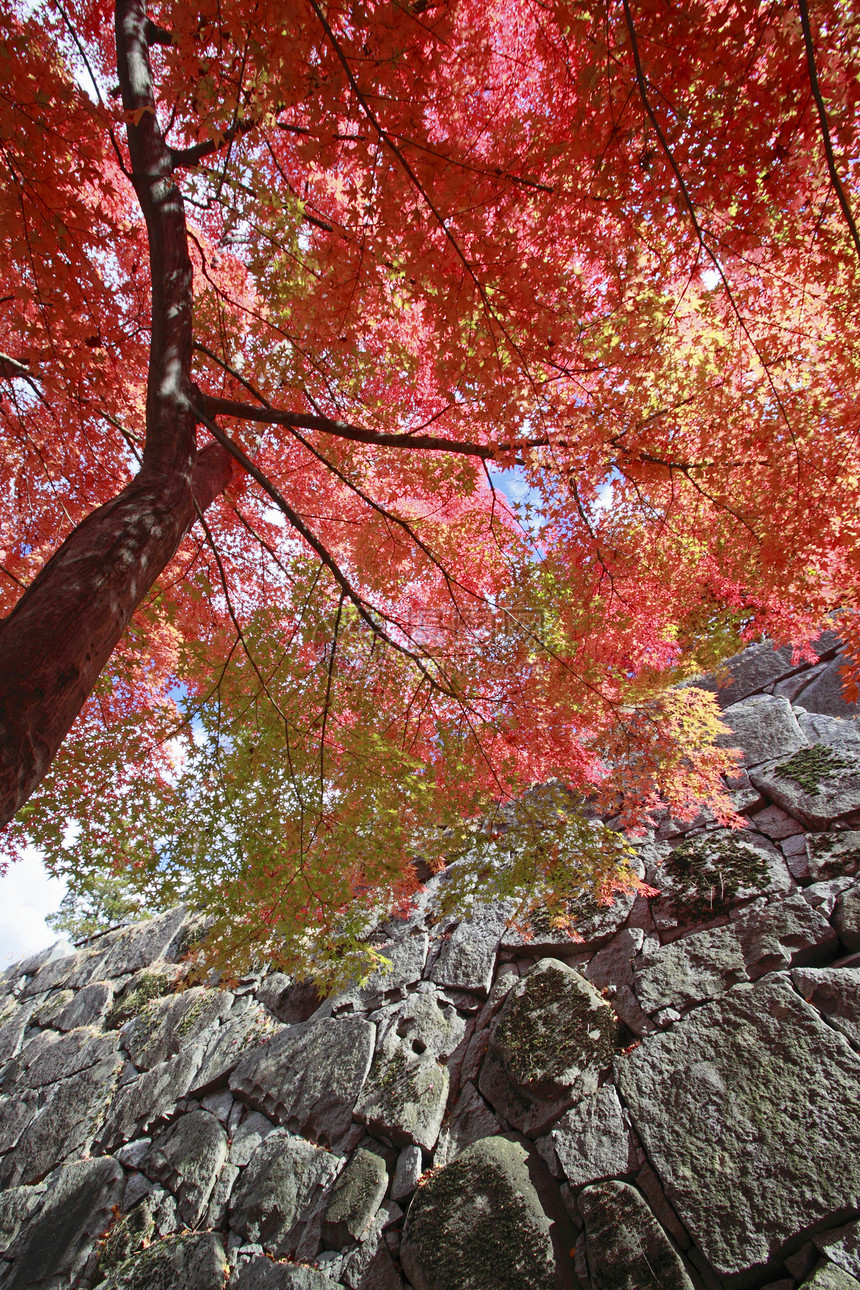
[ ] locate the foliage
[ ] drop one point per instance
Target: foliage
(605, 248)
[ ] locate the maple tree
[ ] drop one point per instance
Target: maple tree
(279, 308)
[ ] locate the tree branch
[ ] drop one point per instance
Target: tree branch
(825, 128)
(192, 156)
(213, 406)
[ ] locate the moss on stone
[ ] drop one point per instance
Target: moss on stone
(554, 1026)
(140, 993)
(810, 767)
(129, 1234)
(500, 1245)
(706, 876)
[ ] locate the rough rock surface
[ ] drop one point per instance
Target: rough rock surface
(626, 1247)
(552, 1038)
(685, 1074)
(708, 1099)
(309, 1075)
(480, 1222)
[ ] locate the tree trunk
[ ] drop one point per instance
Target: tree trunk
(63, 630)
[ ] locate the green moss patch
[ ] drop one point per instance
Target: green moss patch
(812, 767)
(494, 1242)
(706, 875)
(129, 1234)
(554, 1026)
(140, 992)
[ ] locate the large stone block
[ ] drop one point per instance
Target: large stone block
(762, 727)
(626, 1247)
(591, 1141)
(705, 876)
(817, 785)
(76, 1211)
(167, 1025)
(188, 1157)
(65, 1126)
(192, 1261)
(278, 1188)
(551, 1040)
(739, 1106)
(467, 957)
(309, 1076)
(354, 1199)
(487, 1221)
(144, 1101)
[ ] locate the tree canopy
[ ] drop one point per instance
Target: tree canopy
(293, 297)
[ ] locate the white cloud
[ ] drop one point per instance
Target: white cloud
(27, 894)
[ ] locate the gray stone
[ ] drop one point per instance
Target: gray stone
(261, 1273)
(763, 727)
(192, 1261)
(407, 957)
(89, 1007)
(550, 1042)
(827, 1276)
(144, 1101)
(75, 1212)
(754, 668)
(405, 1095)
(187, 1158)
(486, 1222)
(826, 694)
(278, 1188)
(470, 1120)
(842, 1246)
(832, 855)
(248, 1136)
(54, 974)
(65, 1126)
(823, 895)
(129, 1234)
(784, 932)
(136, 947)
(613, 965)
(309, 1076)
(12, 1032)
(835, 993)
(700, 966)
(591, 1141)
(368, 1266)
(423, 1023)
(817, 785)
(61, 949)
(15, 1114)
(625, 1246)
(354, 1199)
(17, 1207)
(409, 1169)
(467, 957)
(141, 990)
(846, 918)
(219, 1104)
(291, 1001)
(227, 1044)
(709, 1098)
(838, 732)
(167, 1025)
(48, 1058)
(707, 875)
(216, 1214)
(133, 1152)
(775, 824)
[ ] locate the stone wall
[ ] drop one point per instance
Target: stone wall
(672, 1102)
